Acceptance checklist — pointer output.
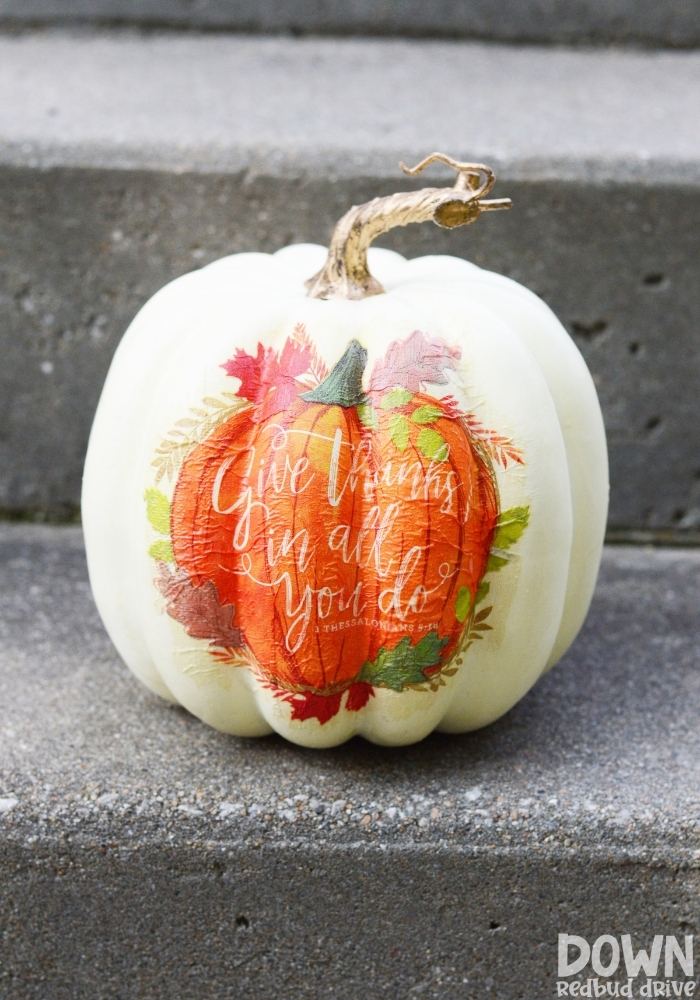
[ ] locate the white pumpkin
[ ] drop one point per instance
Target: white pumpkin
(408, 548)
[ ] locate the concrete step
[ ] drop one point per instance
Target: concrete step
(665, 22)
(126, 160)
(145, 855)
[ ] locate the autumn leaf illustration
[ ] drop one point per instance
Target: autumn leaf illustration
(404, 664)
(413, 363)
(511, 524)
(308, 705)
(498, 446)
(158, 514)
(192, 430)
(268, 378)
(463, 604)
(317, 369)
(158, 510)
(198, 608)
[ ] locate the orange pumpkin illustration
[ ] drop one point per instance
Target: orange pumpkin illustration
(347, 529)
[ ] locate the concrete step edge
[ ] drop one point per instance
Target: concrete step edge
(319, 163)
(588, 22)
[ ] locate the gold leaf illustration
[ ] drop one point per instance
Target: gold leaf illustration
(174, 449)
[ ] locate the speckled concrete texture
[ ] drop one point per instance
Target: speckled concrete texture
(143, 855)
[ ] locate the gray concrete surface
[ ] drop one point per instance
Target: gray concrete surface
(144, 855)
(326, 106)
(665, 22)
(125, 161)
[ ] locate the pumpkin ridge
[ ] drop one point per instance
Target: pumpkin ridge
(352, 416)
(462, 501)
(188, 543)
(291, 658)
(428, 535)
(487, 485)
(426, 560)
(461, 512)
(323, 410)
(277, 622)
(317, 635)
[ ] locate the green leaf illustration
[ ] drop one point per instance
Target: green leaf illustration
(158, 510)
(398, 428)
(463, 604)
(395, 399)
(511, 525)
(495, 563)
(481, 591)
(368, 416)
(162, 550)
(433, 445)
(426, 414)
(404, 664)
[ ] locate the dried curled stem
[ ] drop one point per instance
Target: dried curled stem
(345, 274)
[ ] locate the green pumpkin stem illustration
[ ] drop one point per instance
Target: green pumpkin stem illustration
(343, 384)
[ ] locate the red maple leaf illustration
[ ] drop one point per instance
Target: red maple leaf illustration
(198, 608)
(413, 362)
(309, 705)
(314, 706)
(358, 696)
(249, 370)
(269, 379)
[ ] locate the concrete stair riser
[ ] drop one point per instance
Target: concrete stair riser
(186, 147)
(82, 250)
(664, 23)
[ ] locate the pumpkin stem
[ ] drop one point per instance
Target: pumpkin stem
(345, 274)
(342, 386)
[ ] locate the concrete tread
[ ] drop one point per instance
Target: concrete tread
(143, 855)
(586, 757)
(346, 107)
